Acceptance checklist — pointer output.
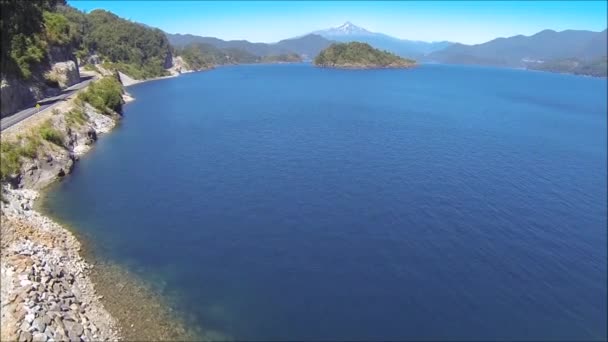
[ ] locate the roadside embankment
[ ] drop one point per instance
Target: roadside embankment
(46, 291)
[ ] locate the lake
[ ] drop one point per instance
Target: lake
(286, 202)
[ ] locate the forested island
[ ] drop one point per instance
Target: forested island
(355, 55)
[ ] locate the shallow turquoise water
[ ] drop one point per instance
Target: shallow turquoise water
(289, 202)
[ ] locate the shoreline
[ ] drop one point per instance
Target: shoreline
(51, 287)
(364, 67)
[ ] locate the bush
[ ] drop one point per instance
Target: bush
(58, 29)
(30, 147)
(75, 117)
(10, 159)
(13, 152)
(26, 51)
(105, 95)
(50, 134)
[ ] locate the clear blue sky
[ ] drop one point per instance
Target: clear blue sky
(467, 22)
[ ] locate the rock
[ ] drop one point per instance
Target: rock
(88, 335)
(73, 337)
(64, 73)
(59, 326)
(59, 336)
(15, 95)
(25, 336)
(29, 317)
(74, 328)
(39, 337)
(25, 326)
(54, 307)
(46, 319)
(39, 324)
(66, 295)
(69, 316)
(94, 59)
(49, 331)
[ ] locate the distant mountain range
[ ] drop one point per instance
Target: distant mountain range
(349, 32)
(307, 46)
(574, 51)
(524, 51)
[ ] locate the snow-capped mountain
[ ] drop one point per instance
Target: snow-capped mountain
(346, 29)
(348, 32)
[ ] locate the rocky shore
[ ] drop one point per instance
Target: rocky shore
(46, 292)
(49, 291)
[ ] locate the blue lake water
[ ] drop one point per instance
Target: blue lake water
(289, 202)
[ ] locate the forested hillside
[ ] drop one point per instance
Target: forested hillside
(202, 56)
(129, 47)
(29, 29)
(359, 55)
(44, 42)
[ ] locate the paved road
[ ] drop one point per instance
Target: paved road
(45, 104)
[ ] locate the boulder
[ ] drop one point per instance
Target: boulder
(64, 73)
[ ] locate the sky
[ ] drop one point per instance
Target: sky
(469, 22)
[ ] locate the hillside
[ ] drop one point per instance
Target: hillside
(285, 58)
(37, 53)
(200, 56)
(597, 67)
(309, 45)
(356, 55)
(45, 42)
(528, 51)
(132, 48)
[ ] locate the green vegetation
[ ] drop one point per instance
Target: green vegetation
(90, 67)
(359, 55)
(283, 58)
(31, 28)
(22, 26)
(202, 56)
(50, 134)
(105, 95)
(59, 31)
(30, 146)
(597, 67)
(129, 47)
(10, 159)
(198, 56)
(24, 54)
(12, 153)
(75, 117)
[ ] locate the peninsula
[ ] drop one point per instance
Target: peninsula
(355, 55)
